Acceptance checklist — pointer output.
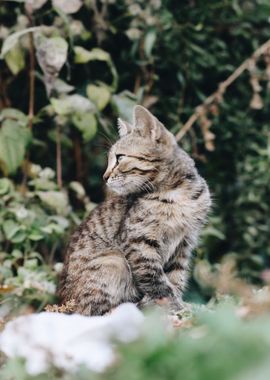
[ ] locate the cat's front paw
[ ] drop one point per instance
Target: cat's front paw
(175, 305)
(171, 304)
(146, 301)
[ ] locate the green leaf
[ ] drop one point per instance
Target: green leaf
(14, 114)
(84, 56)
(13, 231)
(13, 143)
(12, 40)
(51, 52)
(17, 254)
(53, 228)
(61, 221)
(86, 123)
(35, 255)
(78, 188)
(5, 186)
(124, 104)
(19, 237)
(62, 87)
(31, 264)
(149, 42)
(56, 200)
(211, 231)
(35, 236)
(10, 228)
(15, 59)
(70, 104)
(51, 55)
(100, 95)
(42, 184)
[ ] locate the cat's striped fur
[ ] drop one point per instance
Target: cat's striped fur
(136, 245)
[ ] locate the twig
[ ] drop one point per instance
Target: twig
(32, 81)
(58, 156)
(31, 75)
(217, 95)
(100, 23)
(4, 100)
(51, 257)
(31, 100)
(137, 83)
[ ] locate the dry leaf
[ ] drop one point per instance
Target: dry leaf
(67, 307)
(6, 289)
(255, 83)
(51, 55)
(208, 136)
(256, 102)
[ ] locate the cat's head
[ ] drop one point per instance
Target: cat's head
(138, 160)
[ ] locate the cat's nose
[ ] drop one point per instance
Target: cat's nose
(106, 175)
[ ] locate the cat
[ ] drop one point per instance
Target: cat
(136, 245)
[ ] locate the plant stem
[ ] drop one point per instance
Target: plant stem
(58, 156)
(31, 104)
(78, 158)
(31, 99)
(31, 81)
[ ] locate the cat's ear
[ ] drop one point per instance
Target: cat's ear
(147, 124)
(123, 127)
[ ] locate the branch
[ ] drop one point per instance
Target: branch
(31, 76)
(218, 94)
(58, 156)
(100, 23)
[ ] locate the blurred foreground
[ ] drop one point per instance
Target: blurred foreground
(229, 339)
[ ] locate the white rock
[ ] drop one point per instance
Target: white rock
(67, 341)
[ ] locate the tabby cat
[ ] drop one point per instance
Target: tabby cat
(136, 245)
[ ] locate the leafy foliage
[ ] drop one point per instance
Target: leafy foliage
(69, 68)
(218, 345)
(14, 139)
(33, 227)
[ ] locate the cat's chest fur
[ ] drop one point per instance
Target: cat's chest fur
(168, 219)
(174, 213)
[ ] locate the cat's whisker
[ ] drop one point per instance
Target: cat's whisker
(109, 141)
(101, 145)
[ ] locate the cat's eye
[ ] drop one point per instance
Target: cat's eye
(119, 157)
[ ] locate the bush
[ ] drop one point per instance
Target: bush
(80, 64)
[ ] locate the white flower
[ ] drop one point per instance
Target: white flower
(21, 213)
(47, 173)
(35, 170)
